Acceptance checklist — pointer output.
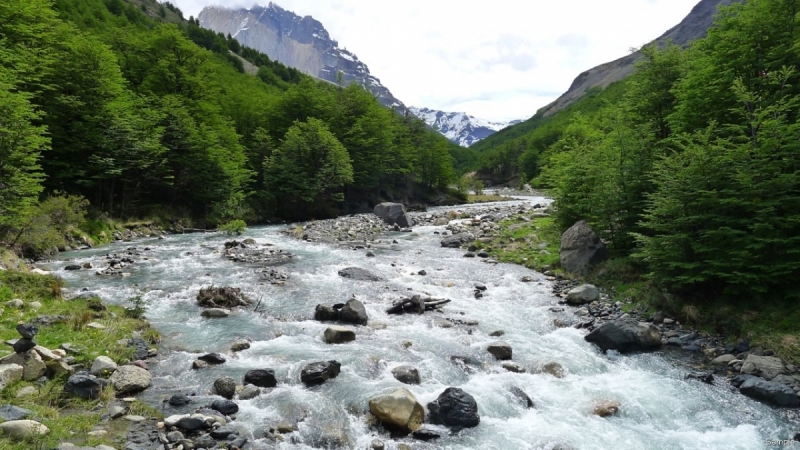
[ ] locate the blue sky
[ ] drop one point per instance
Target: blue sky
(497, 60)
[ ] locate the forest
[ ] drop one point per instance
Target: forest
(689, 170)
(115, 109)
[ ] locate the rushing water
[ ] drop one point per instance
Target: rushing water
(660, 410)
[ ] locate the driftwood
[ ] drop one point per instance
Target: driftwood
(415, 304)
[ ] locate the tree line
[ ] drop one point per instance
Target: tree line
(140, 112)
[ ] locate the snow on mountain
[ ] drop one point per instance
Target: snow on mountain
(460, 127)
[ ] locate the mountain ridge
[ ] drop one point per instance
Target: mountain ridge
(460, 127)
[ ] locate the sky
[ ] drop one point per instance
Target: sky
(498, 60)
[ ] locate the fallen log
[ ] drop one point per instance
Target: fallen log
(416, 305)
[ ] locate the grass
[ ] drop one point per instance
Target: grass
(532, 243)
(68, 418)
(487, 198)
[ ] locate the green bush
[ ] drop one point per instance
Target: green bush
(234, 227)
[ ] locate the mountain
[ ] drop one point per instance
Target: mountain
(299, 42)
(459, 127)
(693, 27)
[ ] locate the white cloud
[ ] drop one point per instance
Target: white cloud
(497, 60)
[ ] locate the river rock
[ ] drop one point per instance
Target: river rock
(215, 313)
(261, 378)
(239, 345)
(555, 369)
(73, 267)
(357, 273)
(393, 214)
(139, 346)
(213, 358)
(723, 360)
(326, 313)
(339, 335)
(581, 249)
(406, 375)
(223, 432)
(23, 345)
(353, 312)
(33, 367)
(606, 408)
(457, 240)
(398, 409)
(511, 366)
(770, 392)
(625, 336)
(222, 297)
(225, 406)
(454, 408)
(102, 365)
(179, 400)
(130, 379)
(27, 331)
(225, 387)
(767, 367)
(319, 372)
(248, 392)
(199, 365)
(501, 350)
(11, 412)
(84, 385)
(190, 423)
(585, 293)
(9, 373)
(21, 430)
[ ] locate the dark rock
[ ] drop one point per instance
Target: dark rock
(319, 372)
(174, 436)
(73, 267)
(222, 297)
(261, 377)
(353, 312)
(454, 408)
(225, 387)
(46, 320)
(422, 272)
(11, 412)
(324, 313)
(469, 255)
(482, 255)
(339, 335)
(23, 345)
(705, 377)
(739, 380)
(425, 435)
(213, 358)
(204, 441)
(625, 336)
(769, 392)
(500, 350)
(457, 240)
(497, 333)
(84, 385)
(223, 432)
(370, 255)
(179, 400)
(27, 331)
(406, 375)
(742, 346)
(393, 214)
(139, 346)
(521, 396)
(357, 273)
(226, 407)
(581, 249)
(190, 424)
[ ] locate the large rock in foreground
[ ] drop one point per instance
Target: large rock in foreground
(20, 430)
(770, 392)
(399, 410)
(393, 214)
(580, 295)
(581, 249)
(767, 367)
(455, 408)
(354, 312)
(130, 379)
(625, 336)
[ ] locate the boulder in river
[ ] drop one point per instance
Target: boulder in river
(585, 293)
(581, 249)
(357, 273)
(222, 297)
(393, 214)
(339, 335)
(353, 312)
(457, 240)
(225, 387)
(213, 358)
(770, 392)
(225, 406)
(319, 372)
(406, 375)
(605, 408)
(398, 409)
(520, 395)
(501, 350)
(767, 367)
(130, 379)
(326, 313)
(625, 336)
(261, 378)
(454, 408)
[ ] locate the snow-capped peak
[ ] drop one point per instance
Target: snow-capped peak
(460, 127)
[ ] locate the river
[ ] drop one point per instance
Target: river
(659, 408)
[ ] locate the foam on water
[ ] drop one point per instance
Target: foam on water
(660, 410)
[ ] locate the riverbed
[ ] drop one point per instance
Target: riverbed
(659, 408)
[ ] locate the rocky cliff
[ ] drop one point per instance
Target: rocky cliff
(459, 127)
(693, 27)
(299, 42)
